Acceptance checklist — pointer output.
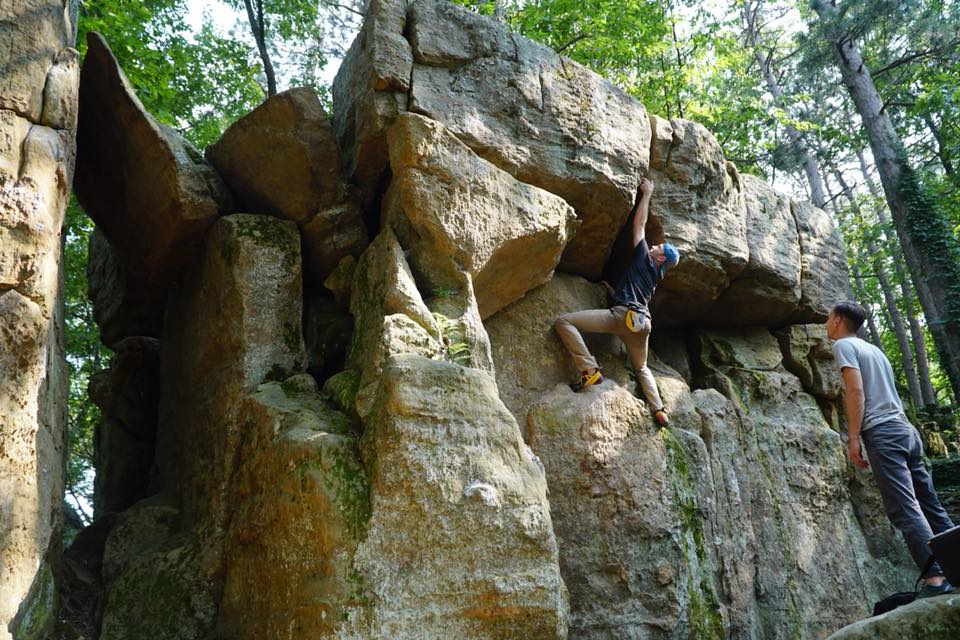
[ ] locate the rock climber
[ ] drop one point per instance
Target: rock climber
(629, 318)
(894, 449)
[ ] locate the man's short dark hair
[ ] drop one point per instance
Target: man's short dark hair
(852, 313)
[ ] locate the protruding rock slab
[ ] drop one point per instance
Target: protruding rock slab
(698, 206)
(460, 542)
(283, 159)
(370, 91)
(147, 188)
(544, 119)
(128, 395)
(825, 280)
(767, 291)
(455, 212)
(235, 324)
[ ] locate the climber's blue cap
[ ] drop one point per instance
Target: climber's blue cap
(672, 258)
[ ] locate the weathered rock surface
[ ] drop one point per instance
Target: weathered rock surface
(767, 291)
(698, 206)
(929, 618)
(283, 159)
(369, 91)
(302, 504)
(823, 273)
(455, 212)
(459, 541)
(544, 119)
(148, 189)
(123, 305)
(128, 395)
(528, 356)
(38, 94)
(234, 325)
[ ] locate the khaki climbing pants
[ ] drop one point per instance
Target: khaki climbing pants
(610, 321)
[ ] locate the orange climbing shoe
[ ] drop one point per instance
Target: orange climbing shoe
(587, 380)
(660, 417)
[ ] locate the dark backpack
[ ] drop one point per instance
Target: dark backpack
(945, 545)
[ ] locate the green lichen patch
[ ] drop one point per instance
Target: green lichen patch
(342, 388)
(270, 232)
(704, 614)
(37, 618)
(342, 475)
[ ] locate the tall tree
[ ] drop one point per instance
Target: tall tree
(930, 249)
(751, 12)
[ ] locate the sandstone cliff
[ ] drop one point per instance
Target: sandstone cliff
(357, 422)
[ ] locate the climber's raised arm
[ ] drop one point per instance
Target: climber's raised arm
(641, 209)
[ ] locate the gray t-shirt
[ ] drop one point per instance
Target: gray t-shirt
(881, 403)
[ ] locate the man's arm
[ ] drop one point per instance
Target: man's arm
(853, 402)
(641, 210)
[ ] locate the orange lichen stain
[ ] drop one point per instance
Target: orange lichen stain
(489, 608)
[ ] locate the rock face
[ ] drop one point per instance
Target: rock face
(38, 107)
(148, 189)
(282, 159)
(123, 305)
(456, 212)
(418, 466)
(128, 396)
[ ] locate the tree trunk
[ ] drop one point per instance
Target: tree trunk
(258, 28)
(748, 14)
(907, 288)
(859, 289)
(906, 356)
(941, 149)
(928, 245)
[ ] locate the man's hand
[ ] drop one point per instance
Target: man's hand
(855, 456)
(645, 188)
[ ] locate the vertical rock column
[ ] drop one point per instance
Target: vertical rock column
(38, 89)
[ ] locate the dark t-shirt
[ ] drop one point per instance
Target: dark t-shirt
(639, 280)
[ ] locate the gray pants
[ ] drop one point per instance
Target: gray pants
(896, 458)
(610, 321)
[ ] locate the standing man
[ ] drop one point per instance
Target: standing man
(875, 414)
(630, 316)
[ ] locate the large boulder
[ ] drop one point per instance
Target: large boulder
(767, 291)
(628, 534)
(369, 92)
(301, 504)
(147, 188)
(455, 212)
(543, 118)
(283, 159)
(233, 326)
(38, 106)
(459, 541)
